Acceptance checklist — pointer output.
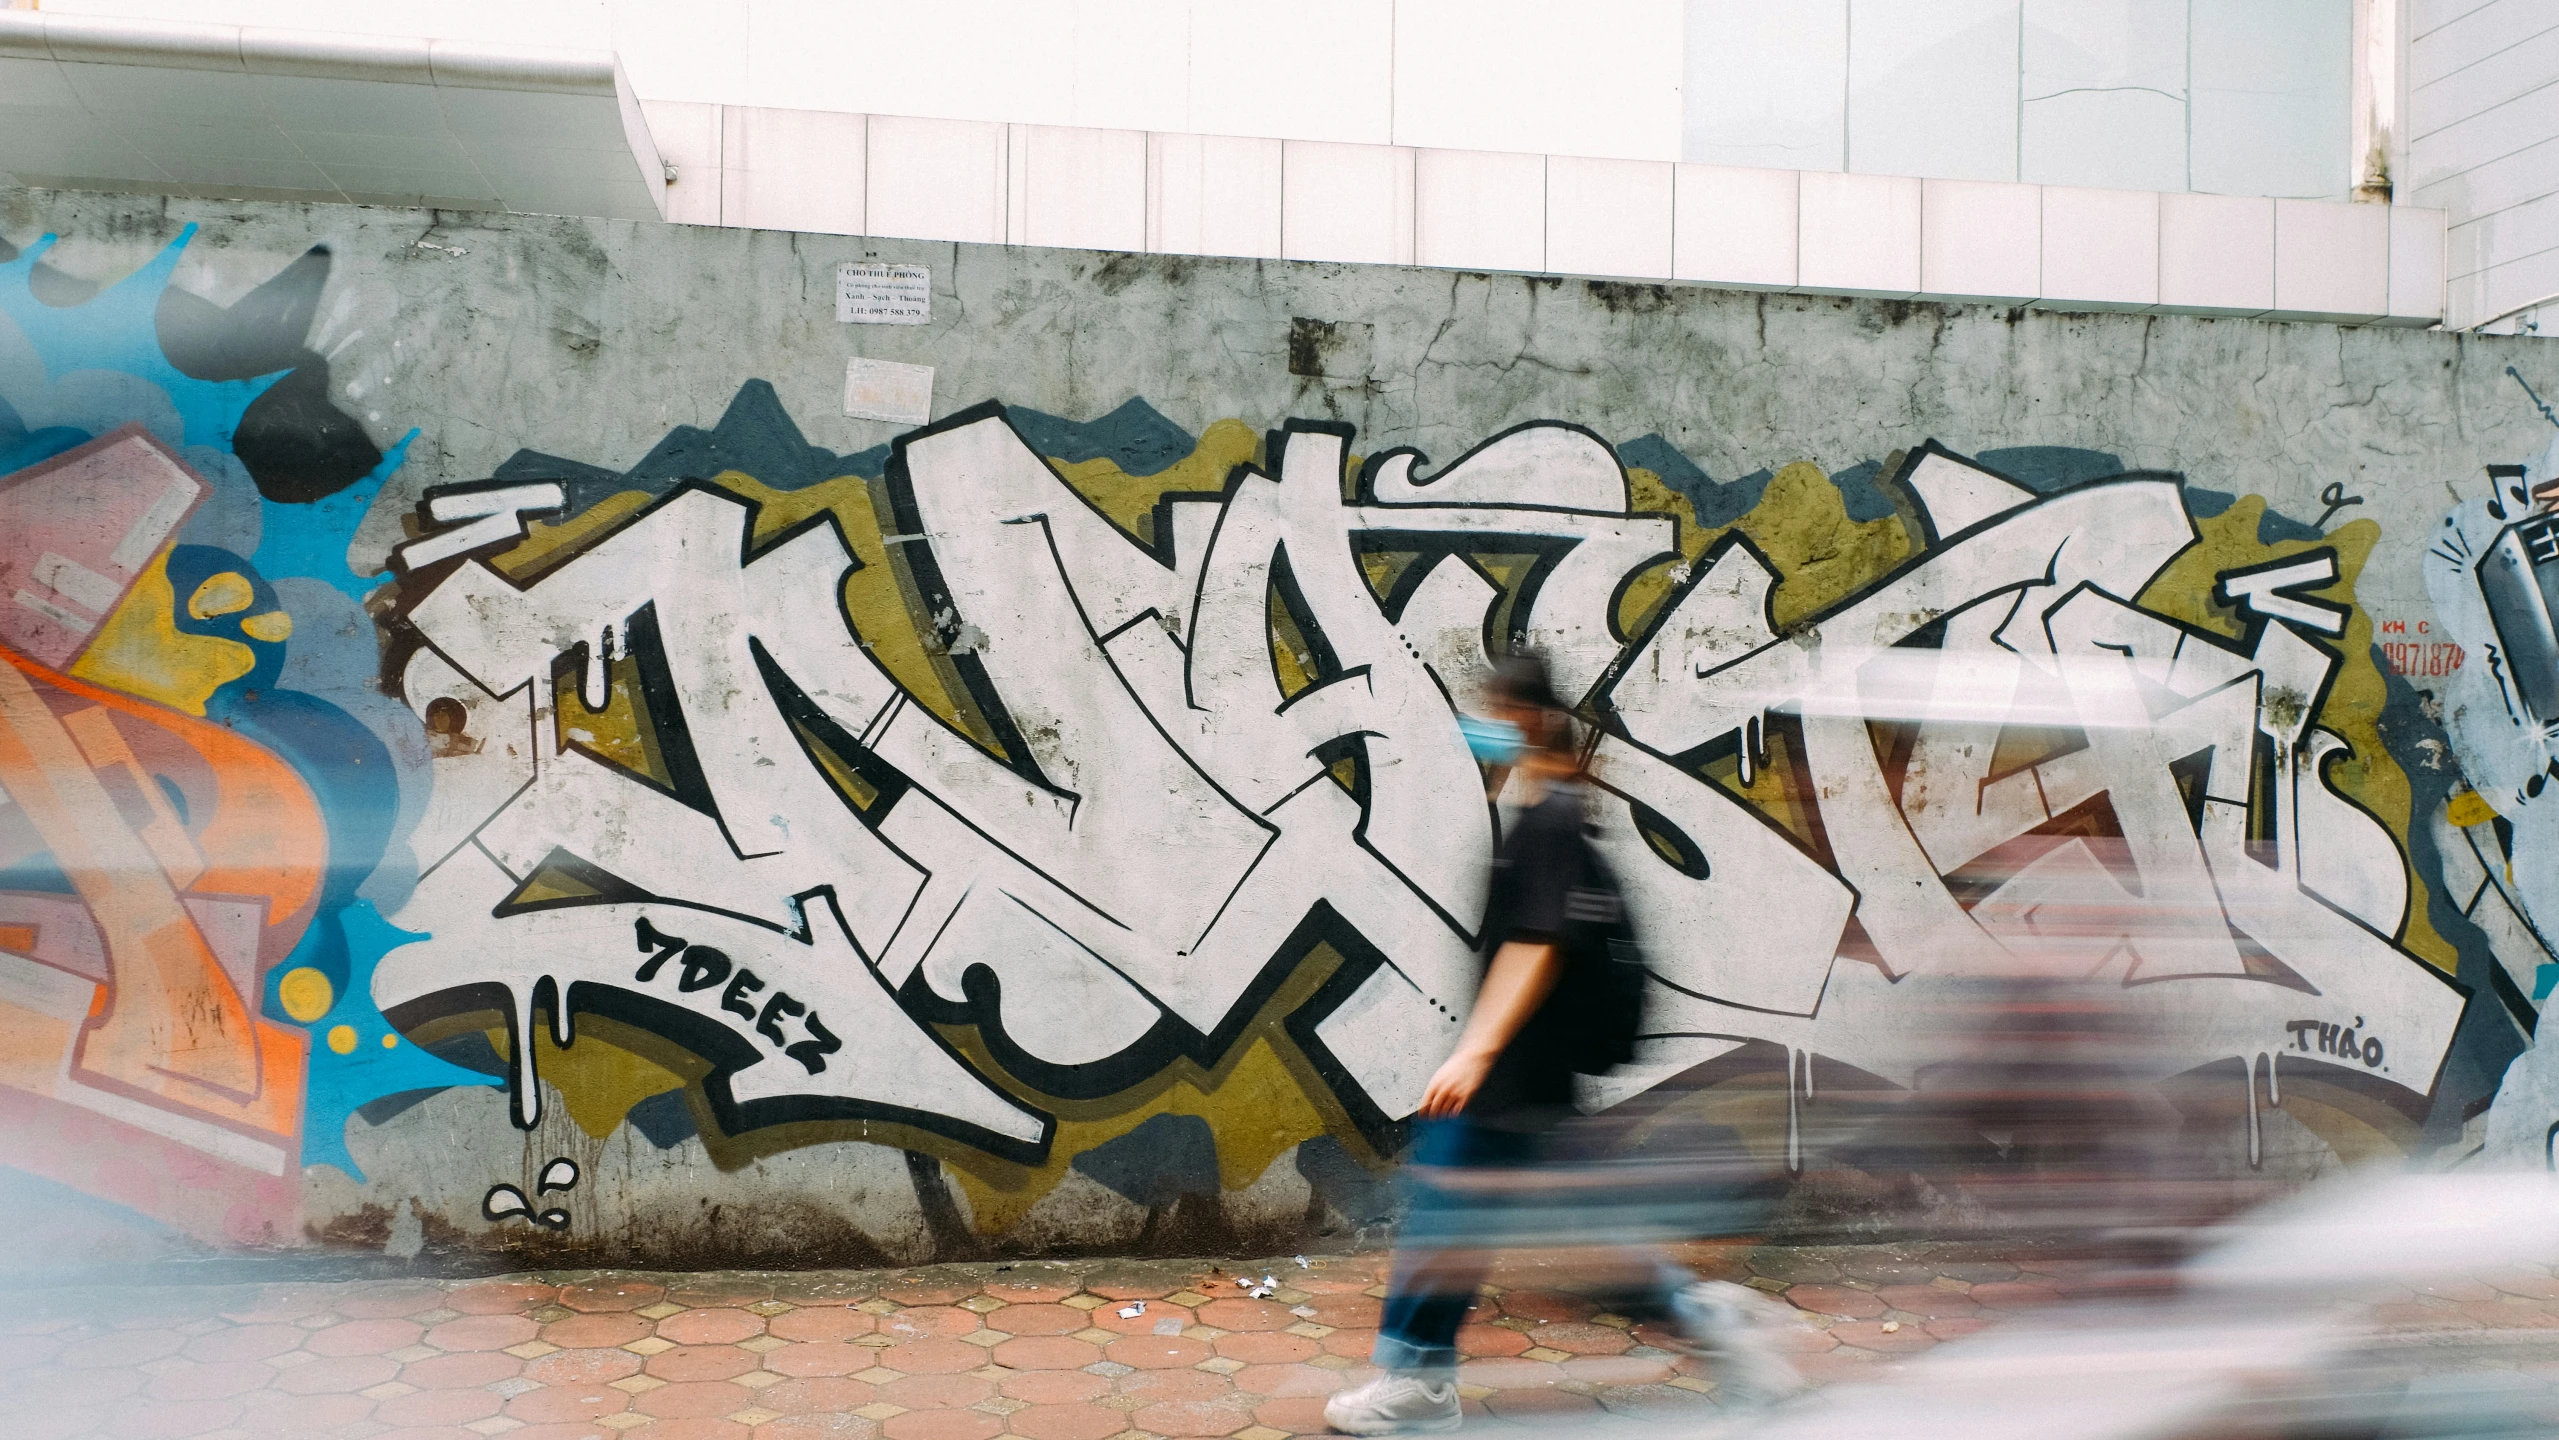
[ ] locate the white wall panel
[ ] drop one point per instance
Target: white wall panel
(1213, 195)
(1859, 234)
(2442, 162)
(1981, 240)
(1933, 87)
(2332, 259)
(2515, 233)
(688, 138)
(2104, 94)
(2500, 290)
(1078, 187)
(677, 49)
(2484, 145)
(1766, 84)
(2479, 32)
(1735, 226)
(1126, 58)
(958, 59)
(1608, 217)
(937, 179)
(2524, 60)
(2491, 134)
(2416, 264)
(1603, 79)
(2101, 248)
(2217, 253)
(2517, 178)
(1479, 210)
(2105, 139)
(1293, 69)
(795, 169)
(1347, 202)
(2268, 95)
(2426, 16)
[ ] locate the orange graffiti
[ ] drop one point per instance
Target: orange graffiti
(194, 859)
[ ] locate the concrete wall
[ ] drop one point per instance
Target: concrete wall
(502, 758)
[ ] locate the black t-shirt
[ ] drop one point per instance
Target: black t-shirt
(1540, 862)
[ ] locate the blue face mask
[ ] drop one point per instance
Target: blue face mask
(1494, 742)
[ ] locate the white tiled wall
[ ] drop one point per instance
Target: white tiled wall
(2103, 94)
(2217, 253)
(1780, 229)
(2331, 260)
(2049, 133)
(2082, 92)
(1736, 226)
(2483, 143)
(807, 169)
(1346, 202)
(1084, 189)
(1609, 217)
(1213, 195)
(1858, 234)
(2101, 247)
(933, 179)
(1479, 210)
(1981, 239)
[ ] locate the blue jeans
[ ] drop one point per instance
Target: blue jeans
(1447, 1241)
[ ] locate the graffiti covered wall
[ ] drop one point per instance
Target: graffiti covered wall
(498, 756)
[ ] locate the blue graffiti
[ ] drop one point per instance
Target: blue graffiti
(376, 1061)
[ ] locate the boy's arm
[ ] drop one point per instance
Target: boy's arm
(1522, 972)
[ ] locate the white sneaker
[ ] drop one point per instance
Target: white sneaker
(1738, 1328)
(1397, 1402)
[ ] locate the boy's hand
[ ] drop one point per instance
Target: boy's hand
(1455, 1083)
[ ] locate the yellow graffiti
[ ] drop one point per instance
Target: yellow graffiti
(1800, 524)
(600, 1075)
(2469, 808)
(548, 544)
(1130, 500)
(141, 651)
(224, 594)
(306, 994)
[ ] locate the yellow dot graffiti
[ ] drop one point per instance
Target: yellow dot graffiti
(306, 993)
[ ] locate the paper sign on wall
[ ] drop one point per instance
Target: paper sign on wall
(887, 390)
(883, 294)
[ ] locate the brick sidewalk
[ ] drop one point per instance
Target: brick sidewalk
(1071, 1351)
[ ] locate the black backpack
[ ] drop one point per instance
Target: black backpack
(1601, 992)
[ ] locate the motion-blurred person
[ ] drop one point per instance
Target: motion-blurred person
(2034, 1101)
(1562, 995)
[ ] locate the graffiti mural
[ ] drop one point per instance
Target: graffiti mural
(810, 777)
(1079, 808)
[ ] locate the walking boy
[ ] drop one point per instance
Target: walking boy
(1488, 1113)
